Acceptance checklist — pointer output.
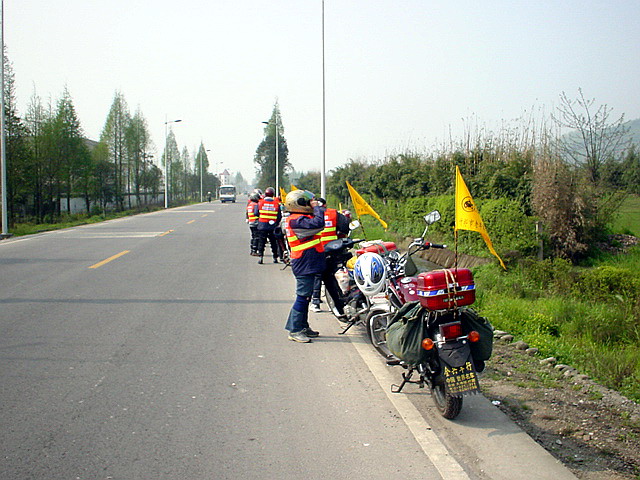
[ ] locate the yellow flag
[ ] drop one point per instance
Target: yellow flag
(283, 194)
(293, 187)
(362, 207)
(467, 215)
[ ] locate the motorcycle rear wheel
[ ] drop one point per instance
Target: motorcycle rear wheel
(448, 405)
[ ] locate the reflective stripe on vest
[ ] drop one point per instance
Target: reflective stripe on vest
(250, 215)
(330, 231)
(268, 210)
(298, 246)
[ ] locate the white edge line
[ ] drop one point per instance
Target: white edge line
(447, 466)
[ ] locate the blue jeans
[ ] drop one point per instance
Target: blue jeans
(299, 315)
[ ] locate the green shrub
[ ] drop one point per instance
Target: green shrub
(607, 283)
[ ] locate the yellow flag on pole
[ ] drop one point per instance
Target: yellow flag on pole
(467, 215)
(293, 187)
(283, 194)
(362, 207)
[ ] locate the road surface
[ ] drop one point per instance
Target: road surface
(153, 347)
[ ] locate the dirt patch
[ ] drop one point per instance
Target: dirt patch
(592, 430)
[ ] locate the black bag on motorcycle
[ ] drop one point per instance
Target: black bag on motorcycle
(480, 350)
(405, 333)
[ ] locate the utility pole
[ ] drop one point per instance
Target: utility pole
(3, 143)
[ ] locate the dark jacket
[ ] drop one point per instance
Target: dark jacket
(342, 226)
(312, 262)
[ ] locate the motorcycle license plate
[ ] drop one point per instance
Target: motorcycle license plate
(461, 380)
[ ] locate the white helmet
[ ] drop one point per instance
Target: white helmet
(370, 273)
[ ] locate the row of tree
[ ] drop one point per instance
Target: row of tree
(568, 184)
(50, 162)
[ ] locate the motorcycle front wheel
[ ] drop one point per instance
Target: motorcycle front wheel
(376, 323)
(448, 405)
(330, 303)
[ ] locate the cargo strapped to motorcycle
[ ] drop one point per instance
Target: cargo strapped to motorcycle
(405, 333)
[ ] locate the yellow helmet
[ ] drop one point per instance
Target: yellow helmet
(299, 201)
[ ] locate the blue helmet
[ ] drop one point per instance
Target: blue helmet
(370, 273)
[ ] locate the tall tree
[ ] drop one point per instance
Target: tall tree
(187, 176)
(595, 137)
(114, 136)
(74, 153)
(265, 157)
(36, 118)
(201, 168)
(103, 185)
(18, 154)
(171, 158)
(138, 145)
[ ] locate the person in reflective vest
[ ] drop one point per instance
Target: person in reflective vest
(336, 226)
(252, 220)
(268, 212)
(303, 228)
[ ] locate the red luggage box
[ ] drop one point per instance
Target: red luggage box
(445, 289)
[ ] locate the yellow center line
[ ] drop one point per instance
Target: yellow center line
(117, 255)
(165, 233)
(190, 221)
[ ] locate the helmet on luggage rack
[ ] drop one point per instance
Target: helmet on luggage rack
(370, 273)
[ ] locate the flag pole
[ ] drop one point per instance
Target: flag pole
(362, 226)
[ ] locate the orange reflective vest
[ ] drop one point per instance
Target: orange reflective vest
(297, 245)
(250, 215)
(330, 231)
(268, 210)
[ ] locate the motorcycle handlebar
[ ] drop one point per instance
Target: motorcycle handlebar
(437, 245)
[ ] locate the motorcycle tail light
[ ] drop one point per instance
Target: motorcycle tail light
(427, 344)
(451, 330)
(473, 336)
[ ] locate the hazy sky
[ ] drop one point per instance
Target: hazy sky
(399, 74)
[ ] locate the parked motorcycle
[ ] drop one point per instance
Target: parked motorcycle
(355, 303)
(430, 329)
(401, 287)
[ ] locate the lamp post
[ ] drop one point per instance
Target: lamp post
(166, 161)
(323, 182)
(3, 143)
(277, 142)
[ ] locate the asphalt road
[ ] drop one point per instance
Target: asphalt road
(153, 347)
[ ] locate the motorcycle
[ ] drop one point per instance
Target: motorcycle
(401, 287)
(355, 304)
(429, 329)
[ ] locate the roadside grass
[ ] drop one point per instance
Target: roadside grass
(627, 219)
(588, 318)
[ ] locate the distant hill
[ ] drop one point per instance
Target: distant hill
(633, 135)
(634, 130)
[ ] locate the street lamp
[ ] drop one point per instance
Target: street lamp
(324, 118)
(166, 161)
(277, 179)
(3, 143)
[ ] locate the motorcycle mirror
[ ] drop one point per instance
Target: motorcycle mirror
(432, 217)
(354, 224)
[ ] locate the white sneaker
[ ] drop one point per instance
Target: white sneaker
(315, 308)
(299, 337)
